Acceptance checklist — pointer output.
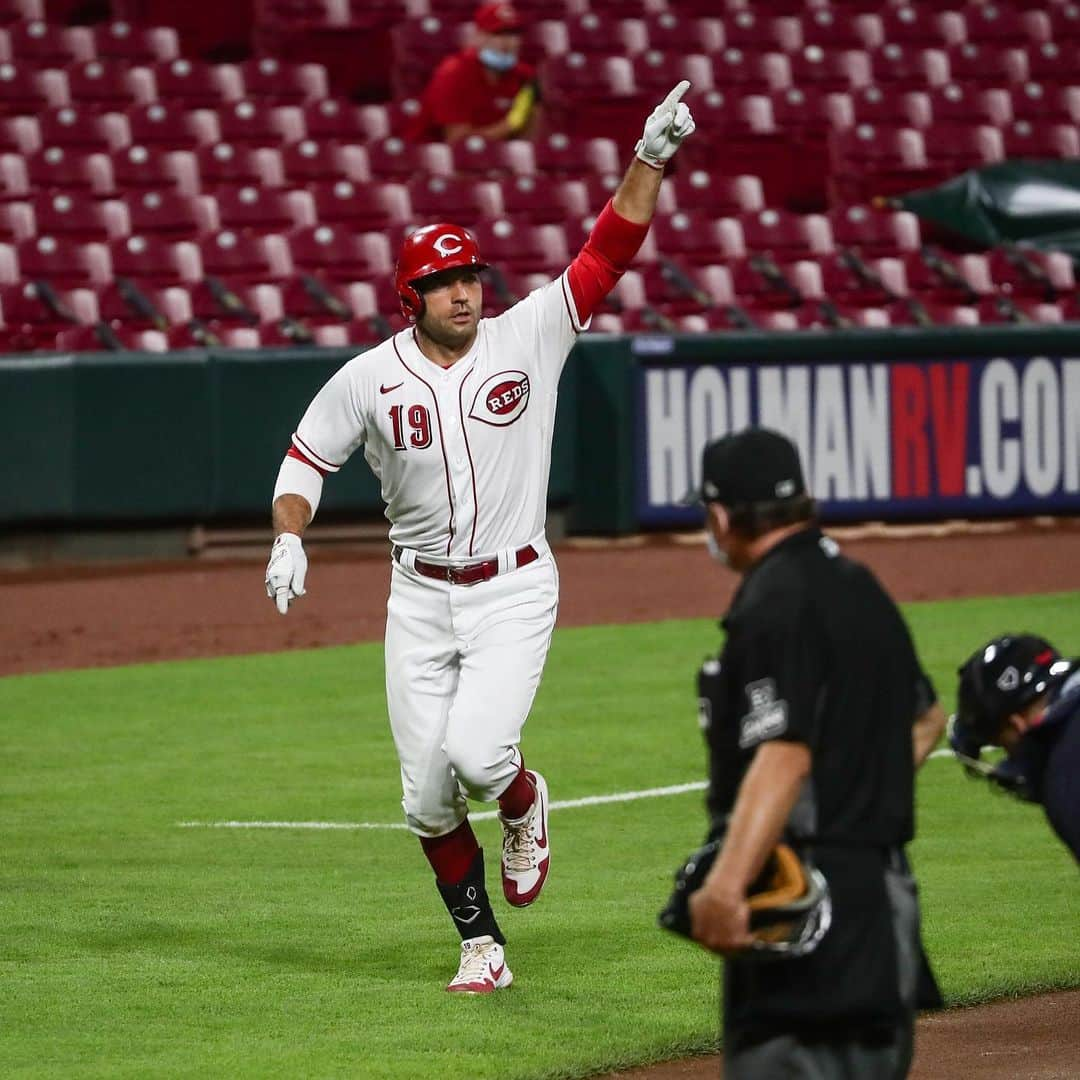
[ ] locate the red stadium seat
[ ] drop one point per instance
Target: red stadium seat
(542, 200)
(888, 107)
(655, 72)
(909, 67)
(560, 154)
(74, 127)
(316, 160)
(135, 44)
(475, 155)
(987, 64)
(830, 69)
(195, 84)
(418, 46)
(108, 84)
(808, 108)
(269, 80)
(784, 235)
(998, 24)
(1024, 139)
(1025, 272)
(155, 261)
(750, 72)
(244, 257)
(362, 205)
(75, 215)
(592, 32)
(248, 123)
(967, 104)
(716, 193)
(225, 164)
(25, 90)
(394, 159)
(59, 167)
(159, 125)
(1044, 104)
(920, 26)
(341, 121)
(671, 30)
(62, 262)
(752, 32)
(462, 199)
(952, 149)
(35, 42)
(874, 232)
(522, 247)
(868, 161)
(836, 29)
(592, 96)
(687, 234)
(167, 213)
(339, 253)
(143, 167)
(256, 209)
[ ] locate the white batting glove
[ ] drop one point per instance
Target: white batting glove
(286, 570)
(668, 124)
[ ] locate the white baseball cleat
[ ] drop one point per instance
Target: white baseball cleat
(526, 852)
(482, 969)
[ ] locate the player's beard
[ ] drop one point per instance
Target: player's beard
(447, 333)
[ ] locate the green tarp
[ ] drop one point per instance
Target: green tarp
(1032, 203)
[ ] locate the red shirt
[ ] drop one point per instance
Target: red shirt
(462, 91)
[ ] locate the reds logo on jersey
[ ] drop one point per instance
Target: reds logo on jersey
(501, 399)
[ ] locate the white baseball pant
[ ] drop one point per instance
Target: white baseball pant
(463, 663)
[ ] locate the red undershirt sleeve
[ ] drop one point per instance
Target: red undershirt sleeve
(607, 254)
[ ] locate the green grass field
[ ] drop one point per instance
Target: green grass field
(133, 947)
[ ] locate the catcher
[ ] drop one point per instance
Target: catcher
(1018, 692)
(816, 714)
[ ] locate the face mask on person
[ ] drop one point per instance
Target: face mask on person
(715, 550)
(496, 59)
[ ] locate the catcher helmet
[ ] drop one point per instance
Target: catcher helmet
(790, 905)
(427, 251)
(1001, 678)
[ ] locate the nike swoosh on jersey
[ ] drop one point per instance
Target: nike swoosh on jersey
(388, 389)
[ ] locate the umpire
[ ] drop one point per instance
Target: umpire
(816, 714)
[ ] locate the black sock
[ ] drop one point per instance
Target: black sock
(468, 903)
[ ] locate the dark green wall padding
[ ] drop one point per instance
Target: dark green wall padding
(198, 436)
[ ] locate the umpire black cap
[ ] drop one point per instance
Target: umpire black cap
(752, 466)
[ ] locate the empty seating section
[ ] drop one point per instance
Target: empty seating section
(171, 179)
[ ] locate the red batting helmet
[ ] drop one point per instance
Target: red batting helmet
(427, 251)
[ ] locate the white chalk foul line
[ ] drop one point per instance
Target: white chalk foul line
(485, 815)
(565, 804)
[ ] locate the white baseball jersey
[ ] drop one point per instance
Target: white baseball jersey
(463, 453)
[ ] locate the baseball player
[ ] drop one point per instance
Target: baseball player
(817, 713)
(455, 415)
(1018, 692)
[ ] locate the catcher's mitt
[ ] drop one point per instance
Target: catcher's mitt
(790, 906)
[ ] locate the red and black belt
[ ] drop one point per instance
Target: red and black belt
(469, 573)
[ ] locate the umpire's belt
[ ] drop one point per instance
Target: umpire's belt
(469, 573)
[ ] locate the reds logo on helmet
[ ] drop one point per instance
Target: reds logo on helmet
(427, 251)
(501, 399)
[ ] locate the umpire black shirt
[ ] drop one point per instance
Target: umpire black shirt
(818, 653)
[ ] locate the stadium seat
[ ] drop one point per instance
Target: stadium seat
(195, 84)
(784, 235)
(558, 153)
(461, 199)
(750, 72)
(143, 167)
(475, 155)
(1026, 272)
(26, 90)
(242, 256)
(886, 107)
(753, 32)
(59, 167)
(1044, 104)
(589, 32)
(542, 200)
(921, 26)
(1024, 139)
(989, 63)
(108, 84)
(159, 125)
(362, 205)
(339, 253)
(909, 67)
(953, 148)
(874, 232)
(418, 46)
(717, 193)
(809, 108)
(225, 164)
(689, 235)
(63, 262)
(45, 45)
(74, 127)
(394, 159)
(522, 247)
(314, 160)
(966, 104)
(155, 261)
(836, 29)
(998, 23)
(671, 30)
(142, 45)
(269, 80)
(830, 69)
(1051, 63)
(75, 215)
(258, 210)
(341, 121)
(655, 72)
(16, 221)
